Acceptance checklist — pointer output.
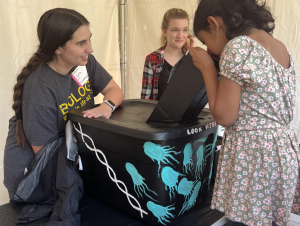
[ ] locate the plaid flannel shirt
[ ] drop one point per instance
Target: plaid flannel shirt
(153, 66)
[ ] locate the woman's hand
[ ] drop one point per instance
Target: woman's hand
(202, 60)
(104, 111)
(111, 92)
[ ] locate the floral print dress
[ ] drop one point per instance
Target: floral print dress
(257, 173)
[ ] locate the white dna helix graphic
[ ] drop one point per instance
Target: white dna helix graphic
(110, 171)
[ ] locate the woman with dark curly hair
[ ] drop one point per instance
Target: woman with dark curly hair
(256, 182)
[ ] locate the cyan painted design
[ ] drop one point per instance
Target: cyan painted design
(111, 173)
(200, 161)
(159, 153)
(202, 140)
(160, 212)
(185, 187)
(210, 152)
(187, 158)
(138, 181)
(170, 178)
(202, 154)
(191, 201)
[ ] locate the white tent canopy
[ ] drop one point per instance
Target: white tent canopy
(18, 22)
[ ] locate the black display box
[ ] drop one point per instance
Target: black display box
(154, 172)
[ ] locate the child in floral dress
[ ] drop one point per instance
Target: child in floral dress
(256, 182)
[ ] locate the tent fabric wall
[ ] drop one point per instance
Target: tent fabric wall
(18, 21)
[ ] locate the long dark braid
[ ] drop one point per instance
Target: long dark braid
(55, 28)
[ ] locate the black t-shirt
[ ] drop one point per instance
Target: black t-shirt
(163, 78)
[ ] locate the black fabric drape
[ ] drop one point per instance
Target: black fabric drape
(52, 185)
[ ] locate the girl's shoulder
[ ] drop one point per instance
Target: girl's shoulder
(240, 42)
(243, 42)
(242, 47)
(237, 47)
(246, 47)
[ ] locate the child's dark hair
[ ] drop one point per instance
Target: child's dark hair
(238, 15)
(55, 28)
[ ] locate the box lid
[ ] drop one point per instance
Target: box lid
(184, 97)
(130, 119)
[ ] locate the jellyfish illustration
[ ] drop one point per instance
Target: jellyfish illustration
(209, 149)
(209, 177)
(161, 212)
(185, 187)
(138, 181)
(210, 174)
(187, 158)
(159, 153)
(170, 178)
(202, 140)
(200, 161)
(211, 153)
(190, 202)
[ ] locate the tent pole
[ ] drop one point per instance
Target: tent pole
(122, 45)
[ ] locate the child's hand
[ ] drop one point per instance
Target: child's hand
(202, 60)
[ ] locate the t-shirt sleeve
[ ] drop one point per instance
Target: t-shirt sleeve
(40, 124)
(234, 61)
(98, 76)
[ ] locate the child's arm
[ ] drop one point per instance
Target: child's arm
(223, 97)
